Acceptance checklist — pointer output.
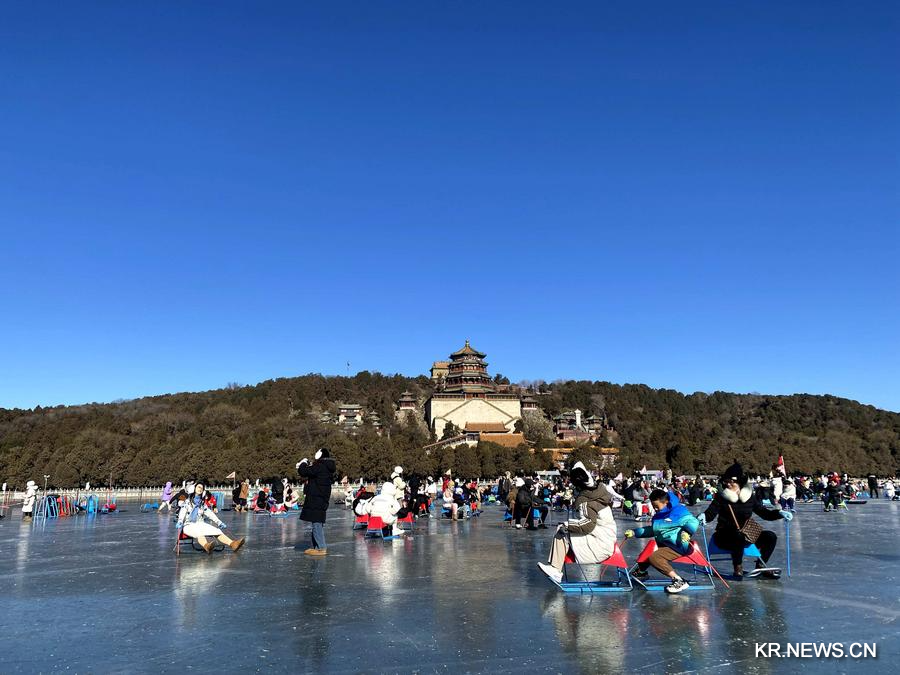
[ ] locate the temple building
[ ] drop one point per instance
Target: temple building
(465, 395)
(439, 370)
(571, 426)
(406, 404)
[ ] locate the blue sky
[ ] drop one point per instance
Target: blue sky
(696, 196)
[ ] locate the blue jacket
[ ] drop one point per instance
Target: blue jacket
(668, 523)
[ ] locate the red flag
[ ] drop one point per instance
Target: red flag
(780, 466)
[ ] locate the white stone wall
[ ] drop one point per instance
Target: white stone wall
(461, 411)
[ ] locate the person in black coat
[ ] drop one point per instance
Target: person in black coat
(277, 493)
(735, 504)
(319, 477)
(538, 504)
(873, 486)
(522, 505)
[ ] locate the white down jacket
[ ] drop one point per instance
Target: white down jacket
(385, 505)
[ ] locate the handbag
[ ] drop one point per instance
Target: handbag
(751, 529)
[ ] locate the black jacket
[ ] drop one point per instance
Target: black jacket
(278, 490)
(523, 497)
(727, 532)
(317, 494)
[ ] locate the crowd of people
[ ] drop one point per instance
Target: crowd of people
(589, 532)
(399, 497)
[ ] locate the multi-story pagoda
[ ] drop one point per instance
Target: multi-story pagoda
(466, 395)
(467, 373)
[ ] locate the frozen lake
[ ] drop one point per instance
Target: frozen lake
(107, 594)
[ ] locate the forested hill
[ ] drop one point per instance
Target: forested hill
(263, 430)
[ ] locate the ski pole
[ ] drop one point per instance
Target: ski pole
(711, 566)
(787, 544)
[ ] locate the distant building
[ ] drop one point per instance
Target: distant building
(407, 403)
(465, 394)
(439, 370)
(529, 403)
(493, 432)
(350, 415)
(570, 426)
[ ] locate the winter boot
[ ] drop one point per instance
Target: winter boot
(738, 571)
(208, 547)
(236, 544)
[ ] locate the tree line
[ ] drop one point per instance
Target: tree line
(262, 430)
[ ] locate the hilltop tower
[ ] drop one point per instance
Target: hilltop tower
(466, 396)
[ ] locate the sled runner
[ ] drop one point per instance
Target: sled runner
(621, 583)
(701, 578)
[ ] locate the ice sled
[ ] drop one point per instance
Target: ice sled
(701, 578)
(621, 583)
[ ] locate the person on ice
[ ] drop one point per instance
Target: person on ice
(672, 526)
(734, 505)
(290, 495)
(397, 480)
(319, 476)
(384, 505)
(590, 534)
(28, 502)
(198, 521)
(166, 497)
(361, 501)
(522, 501)
(278, 494)
(788, 495)
(834, 495)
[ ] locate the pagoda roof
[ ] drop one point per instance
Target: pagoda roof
(487, 427)
(506, 440)
(407, 396)
(468, 350)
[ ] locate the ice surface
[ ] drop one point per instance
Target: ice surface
(106, 593)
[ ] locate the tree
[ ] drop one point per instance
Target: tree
(450, 431)
(536, 426)
(262, 430)
(467, 463)
(586, 454)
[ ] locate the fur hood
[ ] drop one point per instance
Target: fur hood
(733, 497)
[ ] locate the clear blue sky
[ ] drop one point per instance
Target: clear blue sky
(698, 196)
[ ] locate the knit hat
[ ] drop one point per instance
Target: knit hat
(322, 453)
(734, 472)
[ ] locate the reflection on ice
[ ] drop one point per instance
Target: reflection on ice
(466, 593)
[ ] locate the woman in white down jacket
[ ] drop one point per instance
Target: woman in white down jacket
(384, 505)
